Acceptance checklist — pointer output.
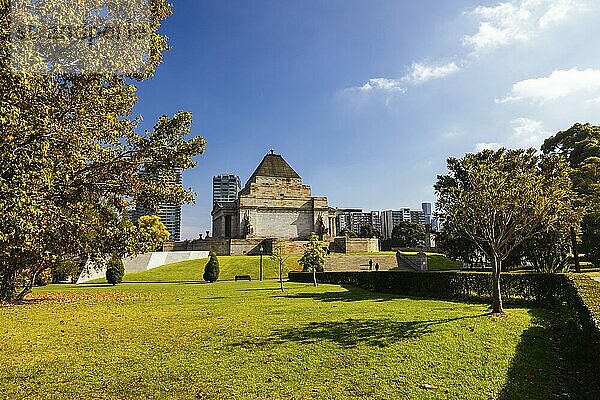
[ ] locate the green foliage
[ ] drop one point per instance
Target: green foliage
(455, 246)
(71, 159)
(211, 269)
(65, 269)
(546, 290)
(409, 234)
(43, 278)
(367, 231)
(314, 256)
(591, 235)
(348, 233)
(151, 233)
(580, 145)
(501, 199)
(115, 270)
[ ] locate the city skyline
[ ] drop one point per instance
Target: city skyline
(368, 102)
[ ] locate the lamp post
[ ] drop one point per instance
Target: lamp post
(260, 276)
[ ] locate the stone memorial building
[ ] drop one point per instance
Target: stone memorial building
(275, 203)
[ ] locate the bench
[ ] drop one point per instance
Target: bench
(242, 278)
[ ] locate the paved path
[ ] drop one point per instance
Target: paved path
(596, 278)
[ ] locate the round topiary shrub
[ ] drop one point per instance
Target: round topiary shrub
(115, 270)
(211, 270)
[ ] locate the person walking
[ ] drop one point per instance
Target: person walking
(376, 266)
(370, 264)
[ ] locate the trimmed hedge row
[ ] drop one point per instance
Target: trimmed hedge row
(584, 297)
(541, 289)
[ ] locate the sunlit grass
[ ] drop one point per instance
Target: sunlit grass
(249, 341)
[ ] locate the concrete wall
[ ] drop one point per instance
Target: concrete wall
(142, 262)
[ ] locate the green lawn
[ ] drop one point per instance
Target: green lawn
(247, 340)
(229, 267)
(439, 262)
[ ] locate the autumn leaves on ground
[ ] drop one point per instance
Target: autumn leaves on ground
(248, 340)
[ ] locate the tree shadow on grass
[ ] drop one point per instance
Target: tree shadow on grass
(352, 332)
(533, 372)
(351, 293)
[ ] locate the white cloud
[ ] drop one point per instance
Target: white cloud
(487, 146)
(526, 133)
(559, 84)
(382, 84)
(517, 21)
(421, 72)
(418, 73)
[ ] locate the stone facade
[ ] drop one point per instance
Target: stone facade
(275, 203)
(356, 245)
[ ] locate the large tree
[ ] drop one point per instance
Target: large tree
(368, 231)
(408, 234)
(580, 145)
(500, 199)
(72, 159)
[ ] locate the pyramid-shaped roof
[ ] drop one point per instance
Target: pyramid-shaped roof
(273, 165)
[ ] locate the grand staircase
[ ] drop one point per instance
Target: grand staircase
(343, 262)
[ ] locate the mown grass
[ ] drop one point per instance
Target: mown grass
(439, 262)
(249, 341)
(229, 267)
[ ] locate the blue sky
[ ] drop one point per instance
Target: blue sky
(366, 99)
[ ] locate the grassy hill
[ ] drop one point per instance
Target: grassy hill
(229, 266)
(247, 340)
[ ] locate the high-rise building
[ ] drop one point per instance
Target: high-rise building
(169, 214)
(354, 219)
(226, 188)
(418, 217)
(391, 218)
(427, 212)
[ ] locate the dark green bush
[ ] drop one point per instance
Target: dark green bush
(211, 270)
(115, 270)
(584, 296)
(541, 289)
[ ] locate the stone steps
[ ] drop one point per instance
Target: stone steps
(340, 263)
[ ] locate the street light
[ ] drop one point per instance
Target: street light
(260, 276)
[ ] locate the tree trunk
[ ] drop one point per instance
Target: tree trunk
(575, 250)
(315, 277)
(496, 294)
(281, 276)
(8, 287)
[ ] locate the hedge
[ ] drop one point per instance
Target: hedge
(579, 292)
(584, 297)
(541, 289)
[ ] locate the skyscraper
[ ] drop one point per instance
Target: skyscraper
(391, 218)
(226, 188)
(427, 212)
(169, 214)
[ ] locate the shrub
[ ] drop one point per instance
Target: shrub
(211, 270)
(314, 255)
(115, 270)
